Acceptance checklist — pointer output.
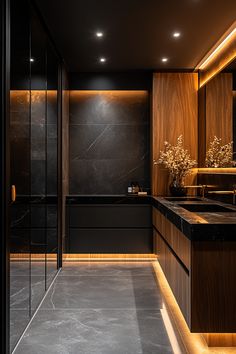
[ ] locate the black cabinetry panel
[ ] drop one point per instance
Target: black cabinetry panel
(110, 241)
(109, 228)
(110, 216)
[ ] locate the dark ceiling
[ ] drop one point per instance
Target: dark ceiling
(137, 33)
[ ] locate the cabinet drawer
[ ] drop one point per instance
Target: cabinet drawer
(111, 241)
(110, 216)
(176, 276)
(180, 244)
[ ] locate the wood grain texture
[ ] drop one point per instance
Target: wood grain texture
(174, 112)
(109, 256)
(219, 109)
(180, 244)
(177, 278)
(213, 305)
(220, 339)
(201, 126)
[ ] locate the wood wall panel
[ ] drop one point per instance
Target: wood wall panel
(174, 112)
(219, 108)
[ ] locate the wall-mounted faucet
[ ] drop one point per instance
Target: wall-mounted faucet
(199, 186)
(233, 192)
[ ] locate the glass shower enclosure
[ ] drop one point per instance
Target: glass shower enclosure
(34, 117)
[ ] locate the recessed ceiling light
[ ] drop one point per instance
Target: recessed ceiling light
(176, 34)
(102, 60)
(31, 60)
(164, 60)
(99, 34)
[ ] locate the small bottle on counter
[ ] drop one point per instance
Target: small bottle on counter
(130, 190)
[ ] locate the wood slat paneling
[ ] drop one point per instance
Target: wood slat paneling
(219, 108)
(174, 112)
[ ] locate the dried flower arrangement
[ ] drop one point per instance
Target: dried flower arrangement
(219, 155)
(177, 160)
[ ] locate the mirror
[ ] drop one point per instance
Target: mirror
(217, 111)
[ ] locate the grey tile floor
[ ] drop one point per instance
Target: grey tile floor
(102, 308)
(27, 288)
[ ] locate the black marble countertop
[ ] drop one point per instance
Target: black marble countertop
(108, 199)
(199, 226)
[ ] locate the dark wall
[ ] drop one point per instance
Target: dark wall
(111, 81)
(109, 133)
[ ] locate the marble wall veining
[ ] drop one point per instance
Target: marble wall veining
(109, 141)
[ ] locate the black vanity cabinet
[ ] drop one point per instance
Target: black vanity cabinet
(109, 225)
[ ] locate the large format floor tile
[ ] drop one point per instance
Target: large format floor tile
(96, 331)
(106, 269)
(102, 308)
(103, 292)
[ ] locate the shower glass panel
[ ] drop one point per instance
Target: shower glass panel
(52, 163)
(20, 170)
(38, 161)
(33, 164)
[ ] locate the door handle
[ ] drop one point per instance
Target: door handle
(13, 193)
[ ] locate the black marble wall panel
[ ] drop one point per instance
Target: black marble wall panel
(20, 140)
(109, 141)
(34, 142)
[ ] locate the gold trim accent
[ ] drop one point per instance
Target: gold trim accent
(13, 193)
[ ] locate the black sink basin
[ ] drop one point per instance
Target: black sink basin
(182, 199)
(207, 208)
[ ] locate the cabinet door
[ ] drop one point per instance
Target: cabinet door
(176, 275)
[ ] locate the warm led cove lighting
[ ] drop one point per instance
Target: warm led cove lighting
(176, 34)
(164, 60)
(99, 34)
(102, 60)
(214, 53)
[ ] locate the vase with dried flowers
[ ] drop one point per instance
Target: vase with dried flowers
(179, 163)
(219, 155)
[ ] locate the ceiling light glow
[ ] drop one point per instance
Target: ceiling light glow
(99, 34)
(31, 60)
(164, 60)
(102, 60)
(176, 34)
